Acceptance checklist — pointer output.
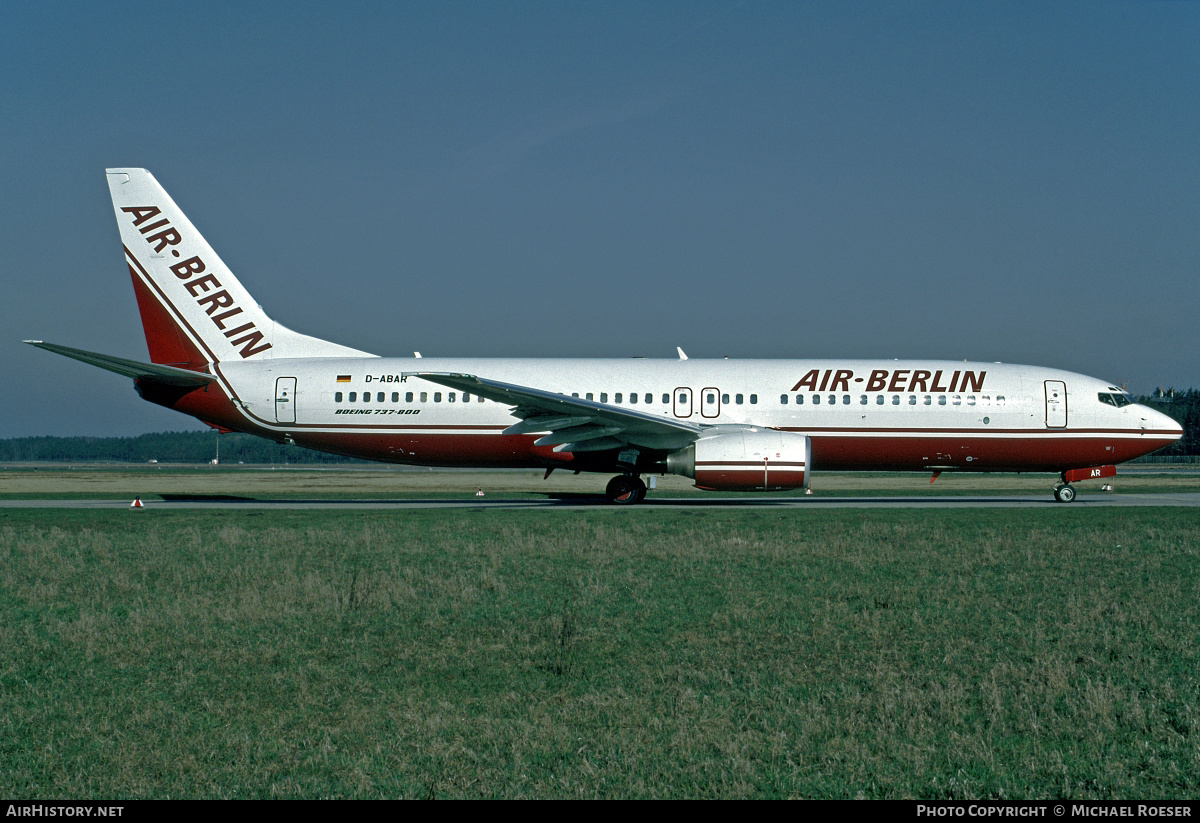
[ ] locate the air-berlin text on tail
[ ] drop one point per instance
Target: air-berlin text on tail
(160, 234)
(897, 380)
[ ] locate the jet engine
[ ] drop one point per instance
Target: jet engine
(749, 459)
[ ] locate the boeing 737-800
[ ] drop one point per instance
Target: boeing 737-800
(731, 425)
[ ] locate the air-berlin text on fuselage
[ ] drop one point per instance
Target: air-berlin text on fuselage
(161, 234)
(897, 380)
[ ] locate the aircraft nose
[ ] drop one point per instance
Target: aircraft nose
(1160, 423)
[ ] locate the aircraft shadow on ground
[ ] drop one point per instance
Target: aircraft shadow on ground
(592, 499)
(207, 498)
(581, 499)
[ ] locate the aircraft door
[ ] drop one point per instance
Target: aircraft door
(285, 400)
(681, 402)
(710, 402)
(1056, 404)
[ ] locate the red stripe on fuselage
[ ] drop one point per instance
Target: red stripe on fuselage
(1042, 452)
(1036, 452)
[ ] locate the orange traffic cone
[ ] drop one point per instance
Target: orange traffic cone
(137, 503)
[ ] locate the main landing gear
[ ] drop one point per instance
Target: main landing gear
(1064, 493)
(625, 490)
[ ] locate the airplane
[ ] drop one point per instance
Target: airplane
(729, 425)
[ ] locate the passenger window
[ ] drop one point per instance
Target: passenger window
(879, 400)
(466, 397)
(395, 397)
(725, 399)
(337, 397)
(895, 400)
(666, 399)
(783, 399)
(588, 396)
(617, 397)
(451, 397)
(753, 399)
(603, 397)
(424, 397)
(816, 399)
(574, 394)
(408, 397)
(366, 398)
(845, 400)
(941, 399)
(912, 400)
(437, 397)
(799, 400)
(957, 400)
(970, 400)
(833, 399)
(379, 397)
(862, 400)
(633, 397)
(999, 400)
(353, 396)
(738, 399)
(928, 400)
(649, 398)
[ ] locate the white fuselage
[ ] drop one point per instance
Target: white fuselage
(860, 414)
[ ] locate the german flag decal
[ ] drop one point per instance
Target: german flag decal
(343, 378)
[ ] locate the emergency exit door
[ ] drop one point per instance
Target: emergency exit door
(682, 402)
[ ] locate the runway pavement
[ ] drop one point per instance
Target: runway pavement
(575, 502)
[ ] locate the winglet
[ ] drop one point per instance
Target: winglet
(682, 356)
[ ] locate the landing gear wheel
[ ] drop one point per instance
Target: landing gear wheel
(625, 490)
(1064, 494)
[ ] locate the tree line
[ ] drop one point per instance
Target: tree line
(201, 447)
(163, 447)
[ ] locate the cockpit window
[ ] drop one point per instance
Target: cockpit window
(1117, 400)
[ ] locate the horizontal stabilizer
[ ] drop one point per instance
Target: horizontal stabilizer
(167, 375)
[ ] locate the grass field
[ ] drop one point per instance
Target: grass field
(608, 653)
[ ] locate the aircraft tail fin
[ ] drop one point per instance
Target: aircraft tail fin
(194, 310)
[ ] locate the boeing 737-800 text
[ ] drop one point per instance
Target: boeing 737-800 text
(731, 425)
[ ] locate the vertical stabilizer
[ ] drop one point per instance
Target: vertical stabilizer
(194, 311)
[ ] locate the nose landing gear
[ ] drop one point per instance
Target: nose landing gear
(1063, 492)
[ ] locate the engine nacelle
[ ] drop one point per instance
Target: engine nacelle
(745, 460)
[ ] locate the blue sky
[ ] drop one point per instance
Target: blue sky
(989, 181)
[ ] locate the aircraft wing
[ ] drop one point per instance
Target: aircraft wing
(168, 375)
(572, 423)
